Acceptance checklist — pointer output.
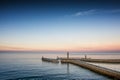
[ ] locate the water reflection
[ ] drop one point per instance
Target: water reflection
(68, 70)
(29, 66)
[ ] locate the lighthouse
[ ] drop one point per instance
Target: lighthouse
(67, 55)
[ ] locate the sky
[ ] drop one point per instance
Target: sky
(60, 25)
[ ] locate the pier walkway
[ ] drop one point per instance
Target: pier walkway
(97, 69)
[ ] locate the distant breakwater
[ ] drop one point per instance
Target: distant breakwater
(50, 60)
(94, 60)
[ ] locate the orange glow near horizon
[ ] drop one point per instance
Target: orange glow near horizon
(82, 48)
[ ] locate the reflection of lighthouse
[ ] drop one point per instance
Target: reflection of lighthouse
(68, 69)
(67, 55)
(68, 63)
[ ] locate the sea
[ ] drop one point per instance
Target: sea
(29, 66)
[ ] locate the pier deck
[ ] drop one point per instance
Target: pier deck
(97, 69)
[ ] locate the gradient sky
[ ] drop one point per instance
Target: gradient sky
(60, 25)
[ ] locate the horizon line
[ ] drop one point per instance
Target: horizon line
(107, 51)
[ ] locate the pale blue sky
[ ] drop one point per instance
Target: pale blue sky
(62, 27)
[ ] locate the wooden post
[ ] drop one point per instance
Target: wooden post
(67, 55)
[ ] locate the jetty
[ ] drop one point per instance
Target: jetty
(83, 62)
(101, 60)
(116, 61)
(101, 70)
(50, 60)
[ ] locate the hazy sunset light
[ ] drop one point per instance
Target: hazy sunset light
(60, 26)
(59, 39)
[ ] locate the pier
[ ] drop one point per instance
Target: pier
(83, 62)
(101, 60)
(50, 60)
(101, 70)
(94, 60)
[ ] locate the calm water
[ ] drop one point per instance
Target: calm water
(28, 66)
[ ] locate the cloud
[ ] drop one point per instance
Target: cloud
(10, 48)
(93, 11)
(81, 13)
(113, 11)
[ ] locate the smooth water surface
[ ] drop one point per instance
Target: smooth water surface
(28, 66)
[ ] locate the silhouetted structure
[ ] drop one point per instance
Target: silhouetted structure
(85, 56)
(67, 55)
